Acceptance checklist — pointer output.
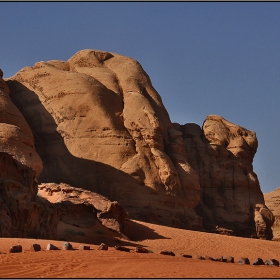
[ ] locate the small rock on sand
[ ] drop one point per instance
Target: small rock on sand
(102, 246)
(16, 249)
(244, 261)
(35, 247)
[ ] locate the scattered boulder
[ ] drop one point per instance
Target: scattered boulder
(35, 247)
(102, 246)
(244, 261)
(84, 247)
(186, 256)
(168, 253)
(140, 249)
(122, 248)
(84, 208)
(208, 258)
(51, 247)
(228, 259)
(258, 261)
(16, 249)
(218, 259)
(67, 246)
(272, 262)
(200, 257)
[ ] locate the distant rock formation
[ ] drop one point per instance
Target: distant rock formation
(272, 201)
(99, 125)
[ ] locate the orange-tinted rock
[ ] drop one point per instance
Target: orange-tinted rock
(272, 200)
(99, 124)
(231, 199)
(82, 208)
(21, 213)
(16, 137)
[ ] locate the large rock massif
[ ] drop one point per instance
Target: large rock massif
(99, 125)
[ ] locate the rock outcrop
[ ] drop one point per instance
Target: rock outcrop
(21, 214)
(16, 138)
(272, 201)
(231, 199)
(99, 125)
(82, 209)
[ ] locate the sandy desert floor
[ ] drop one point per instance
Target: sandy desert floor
(117, 264)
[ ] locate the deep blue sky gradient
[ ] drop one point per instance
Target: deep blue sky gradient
(202, 57)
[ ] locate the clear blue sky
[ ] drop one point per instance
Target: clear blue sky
(203, 58)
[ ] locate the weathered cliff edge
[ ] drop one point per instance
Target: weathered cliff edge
(231, 199)
(99, 124)
(272, 200)
(22, 212)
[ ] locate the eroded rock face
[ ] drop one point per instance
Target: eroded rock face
(99, 124)
(231, 199)
(21, 214)
(81, 208)
(16, 137)
(272, 200)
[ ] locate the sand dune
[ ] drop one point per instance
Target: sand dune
(116, 264)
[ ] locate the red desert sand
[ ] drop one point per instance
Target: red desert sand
(95, 263)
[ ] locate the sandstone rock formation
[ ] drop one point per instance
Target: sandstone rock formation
(16, 138)
(20, 210)
(82, 209)
(272, 200)
(99, 124)
(231, 199)
(22, 214)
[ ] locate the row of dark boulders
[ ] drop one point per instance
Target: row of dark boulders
(68, 246)
(229, 259)
(258, 261)
(37, 247)
(140, 249)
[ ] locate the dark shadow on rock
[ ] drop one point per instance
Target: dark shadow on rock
(60, 166)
